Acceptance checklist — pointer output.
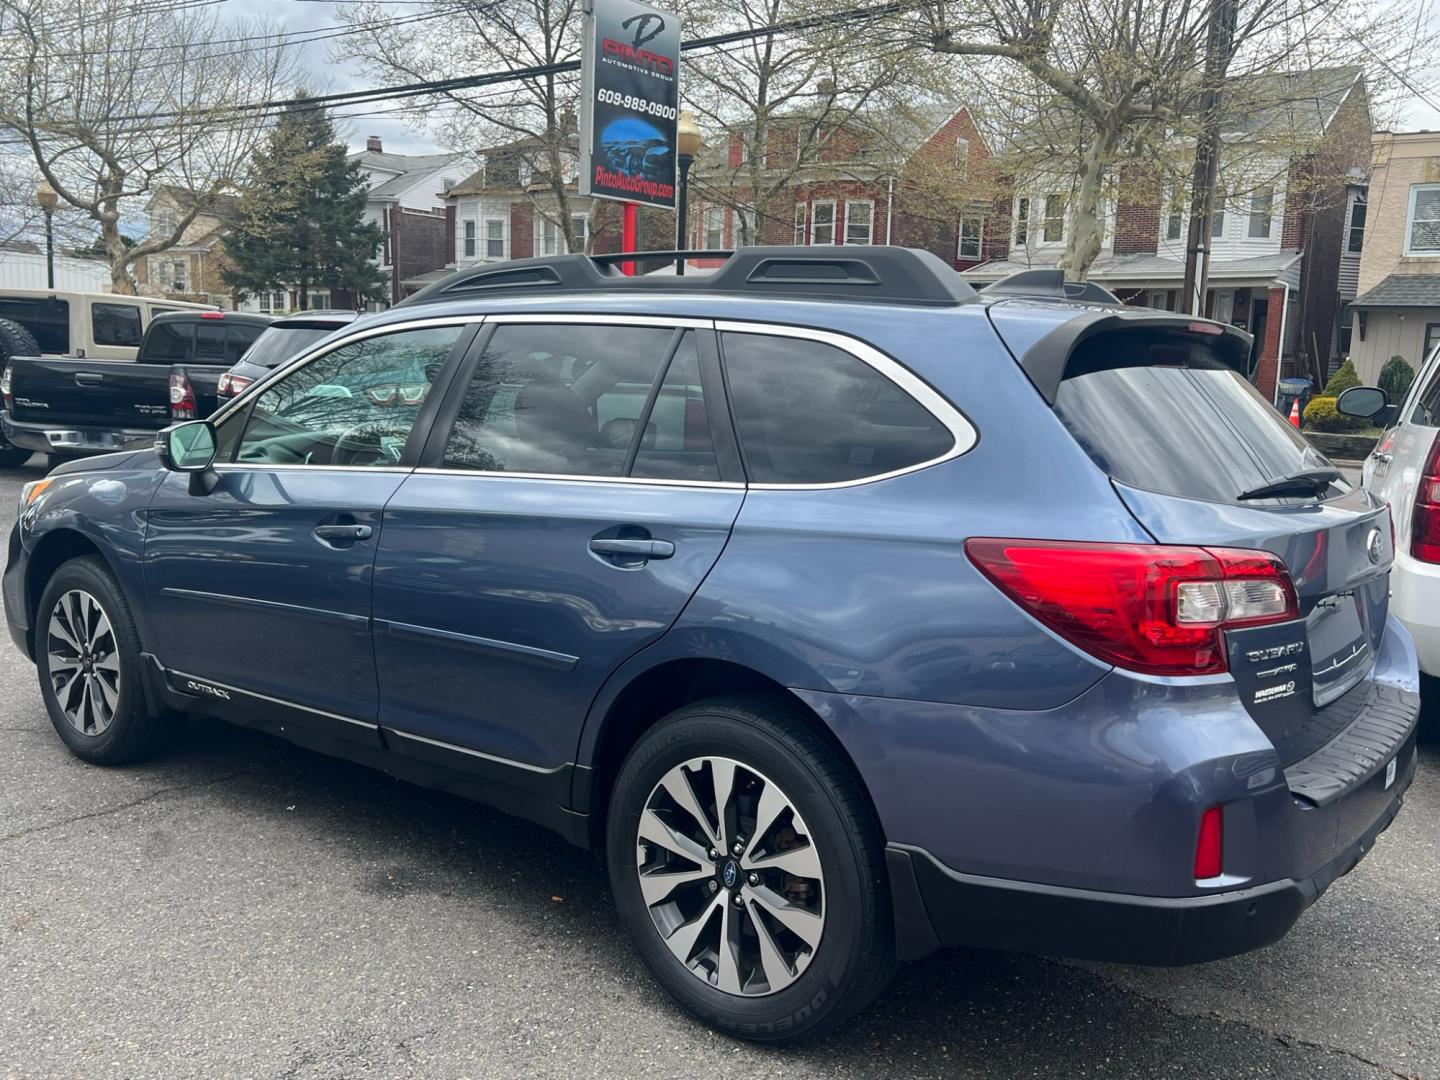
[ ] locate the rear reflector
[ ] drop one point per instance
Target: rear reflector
(1425, 522)
(1151, 608)
(1209, 845)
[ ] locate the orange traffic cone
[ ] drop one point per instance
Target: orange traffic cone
(1295, 414)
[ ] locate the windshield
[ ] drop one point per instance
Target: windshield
(1198, 432)
(279, 343)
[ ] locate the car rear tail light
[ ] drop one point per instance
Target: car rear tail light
(182, 397)
(1425, 522)
(230, 385)
(1209, 845)
(1151, 608)
(5, 389)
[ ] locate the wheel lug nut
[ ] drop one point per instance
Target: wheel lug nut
(714, 886)
(738, 900)
(737, 847)
(713, 854)
(754, 879)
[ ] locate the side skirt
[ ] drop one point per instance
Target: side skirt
(528, 791)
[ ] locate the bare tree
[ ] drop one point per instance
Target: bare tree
(533, 120)
(1123, 79)
(113, 97)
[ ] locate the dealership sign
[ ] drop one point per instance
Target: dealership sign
(630, 70)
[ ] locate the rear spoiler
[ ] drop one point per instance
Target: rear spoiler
(1049, 285)
(1043, 351)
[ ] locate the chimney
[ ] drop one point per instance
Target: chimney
(373, 143)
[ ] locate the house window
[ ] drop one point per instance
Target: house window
(1022, 222)
(822, 225)
(1355, 240)
(447, 183)
(713, 224)
(494, 238)
(1175, 218)
(1262, 206)
(859, 221)
(800, 238)
(1422, 230)
(972, 232)
(177, 275)
(1054, 228)
(470, 238)
(1159, 299)
(580, 229)
(1347, 319)
(962, 158)
(1223, 306)
(272, 303)
(1217, 222)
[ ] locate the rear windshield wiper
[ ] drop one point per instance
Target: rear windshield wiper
(1306, 482)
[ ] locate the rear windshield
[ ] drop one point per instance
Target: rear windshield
(279, 343)
(1198, 431)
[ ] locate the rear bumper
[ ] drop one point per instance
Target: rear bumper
(936, 907)
(1415, 601)
(71, 439)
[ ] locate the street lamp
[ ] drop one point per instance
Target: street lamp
(46, 196)
(687, 138)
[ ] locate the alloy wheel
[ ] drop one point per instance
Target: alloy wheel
(83, 662)
(730, 876)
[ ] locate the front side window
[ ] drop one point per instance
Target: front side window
(859, 221)
(1262, 208)
(353, 406)
(1054, 219)
(562, 399)
(972, 231)
(822, 223)
(810, 413)
(116, 324)
(1423, 234)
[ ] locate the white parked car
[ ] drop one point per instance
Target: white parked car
(1404, 470)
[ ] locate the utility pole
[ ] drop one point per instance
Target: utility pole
(1219, 45)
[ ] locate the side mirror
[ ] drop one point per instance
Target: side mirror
(190, 448)
(1362, 402)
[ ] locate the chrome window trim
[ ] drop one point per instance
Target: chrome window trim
(644, 481)
(260, 466)
(325, 348)
(603, 318)
(961, 430)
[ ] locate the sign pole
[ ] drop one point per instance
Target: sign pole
(627, 233)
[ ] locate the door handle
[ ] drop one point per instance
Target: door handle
(343, 534)
(88, 378)
(645, 549)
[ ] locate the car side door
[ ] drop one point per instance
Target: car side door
(260, 588)
(579, 485)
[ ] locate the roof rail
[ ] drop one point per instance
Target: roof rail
(892, 275)
(1049, 285)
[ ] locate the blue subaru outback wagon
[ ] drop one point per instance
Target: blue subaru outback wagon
(849, 613)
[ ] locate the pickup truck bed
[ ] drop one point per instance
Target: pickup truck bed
(72, 406)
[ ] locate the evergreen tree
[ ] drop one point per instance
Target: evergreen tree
(300, 222)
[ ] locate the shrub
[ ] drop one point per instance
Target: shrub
(1395, 379)
(1321, 415)
(1344, 378)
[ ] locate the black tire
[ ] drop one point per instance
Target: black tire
(132, 732)
(15, 340)
(855, 956)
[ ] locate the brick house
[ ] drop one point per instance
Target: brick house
(407, 200)
(191, 269)
(1283, 264)
(917, 178)
(1398, 310)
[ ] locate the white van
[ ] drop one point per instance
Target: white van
(103, 326)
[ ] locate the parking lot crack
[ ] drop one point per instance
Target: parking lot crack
(118, 808)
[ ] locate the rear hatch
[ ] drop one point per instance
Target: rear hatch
(1191, 447)
(90, 393)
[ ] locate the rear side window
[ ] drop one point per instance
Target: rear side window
(1427, 402)
(116, 324)
(810, 413)
(276, 344)
(47, 320)
(168, 343)
(1202, 432)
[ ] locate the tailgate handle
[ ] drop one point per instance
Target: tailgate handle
(89, 378)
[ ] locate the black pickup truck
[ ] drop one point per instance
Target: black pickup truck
(70, 407)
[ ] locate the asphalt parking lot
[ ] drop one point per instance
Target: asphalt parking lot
(242, 908)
